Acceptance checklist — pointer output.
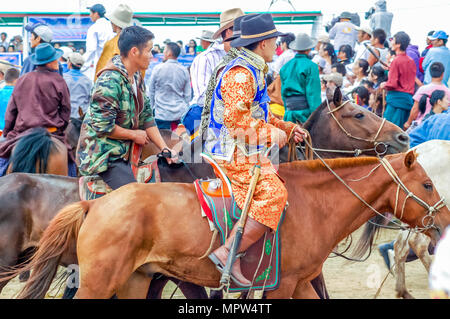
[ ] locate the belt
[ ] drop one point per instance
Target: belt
(52, 129)
(296, 103)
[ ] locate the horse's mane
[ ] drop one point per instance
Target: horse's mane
(335, 163)
(314, 117)
(36, 145)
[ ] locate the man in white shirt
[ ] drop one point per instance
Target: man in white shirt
(97, 35)
(364, 37)
(287, 54)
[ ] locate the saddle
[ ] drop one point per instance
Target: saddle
(261, 261)
(93, 187)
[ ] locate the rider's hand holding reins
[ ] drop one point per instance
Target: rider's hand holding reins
(299, 134)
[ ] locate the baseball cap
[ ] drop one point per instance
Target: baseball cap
(334, 77)
(76, 59)
(439, 35)
(99, 8)
(41, 29)
(365, 29)
(67, 51)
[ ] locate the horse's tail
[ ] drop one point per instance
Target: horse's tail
(59, 237)
(371, 228)
(31, 148)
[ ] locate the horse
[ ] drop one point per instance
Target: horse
(434, 157)
(121, 241)
(39, 152)
(43, 188)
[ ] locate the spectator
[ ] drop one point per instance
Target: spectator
(364, 37)
(40, 99)
(40, 33)
(433, 128)
(206, 39)
(11, 76)
(63, 60)
(180, 44)
(192, 48)
(438, 53)
(96, 37)
(378, 52)
(345, 54)
(344, 32)
(328, 54)
(157, 49)
(2, 48)
(400, 83)
(360, 71)
(376, 103)
(361, 96)
(4, 39)
(341, 69)
(429, 44)
(300, 82)
(287, 54)
(324, 38)
(170, 89)
(413, 52)
(82, 51)
(381, 19)
(437, 73)
(438, 100)
(79, 85)
(377, 76)
(11, 48)
(121, 18)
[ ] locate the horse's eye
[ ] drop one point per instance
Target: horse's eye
(428, 186)
(359, 115)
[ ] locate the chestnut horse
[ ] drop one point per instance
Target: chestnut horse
(17, 245)
(121, 241)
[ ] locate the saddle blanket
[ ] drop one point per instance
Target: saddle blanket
(261, 262)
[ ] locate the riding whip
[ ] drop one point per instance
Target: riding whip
(240, 228)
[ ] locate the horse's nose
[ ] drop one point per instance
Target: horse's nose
(402, 138)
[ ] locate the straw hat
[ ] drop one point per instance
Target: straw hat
(227, 20)
(122, 16)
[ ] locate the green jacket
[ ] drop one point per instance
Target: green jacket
(300, 76)
(112, 103)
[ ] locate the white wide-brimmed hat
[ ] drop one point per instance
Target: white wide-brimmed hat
(302, 42)
(122, 16)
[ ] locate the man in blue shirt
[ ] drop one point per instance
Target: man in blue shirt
(436, 127)
(438, 53)
(11, 77)
(79, 85)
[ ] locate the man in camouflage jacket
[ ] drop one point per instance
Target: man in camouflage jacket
(119, 113)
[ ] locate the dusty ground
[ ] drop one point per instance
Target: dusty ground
(344, 279)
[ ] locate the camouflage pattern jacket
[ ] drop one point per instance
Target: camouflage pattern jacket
(113, 102)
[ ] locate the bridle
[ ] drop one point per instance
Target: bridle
(379, 151)
(428, 221)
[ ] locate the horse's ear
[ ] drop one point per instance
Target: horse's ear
(410, 158)
(337, 97)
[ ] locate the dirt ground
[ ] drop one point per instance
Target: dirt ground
(344, 279)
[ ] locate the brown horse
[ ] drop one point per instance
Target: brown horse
(121, 240)
(25, 190)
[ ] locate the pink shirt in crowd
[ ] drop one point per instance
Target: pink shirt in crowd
(428, 90)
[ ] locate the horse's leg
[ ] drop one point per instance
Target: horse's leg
(420, 247)
(319, 286)
(286, 288)
(304, 290)
(189, 290)
(135, 288)
(401, 249)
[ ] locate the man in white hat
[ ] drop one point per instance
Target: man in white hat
(96, 37)
(204, 64)
(300, 82)
(121, 18)
(206, 39)
(79, 85)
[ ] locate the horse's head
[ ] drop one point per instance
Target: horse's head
(350, 127)
(414, 198)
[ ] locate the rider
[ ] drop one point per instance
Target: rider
(120, 113)
(40, 99)
(240, 126)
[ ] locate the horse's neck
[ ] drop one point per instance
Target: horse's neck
(317, 198)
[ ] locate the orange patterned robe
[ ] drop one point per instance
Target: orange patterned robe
(238, 90)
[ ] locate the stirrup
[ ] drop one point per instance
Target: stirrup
(220, 267)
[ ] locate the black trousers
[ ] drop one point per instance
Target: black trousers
(119, 173)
